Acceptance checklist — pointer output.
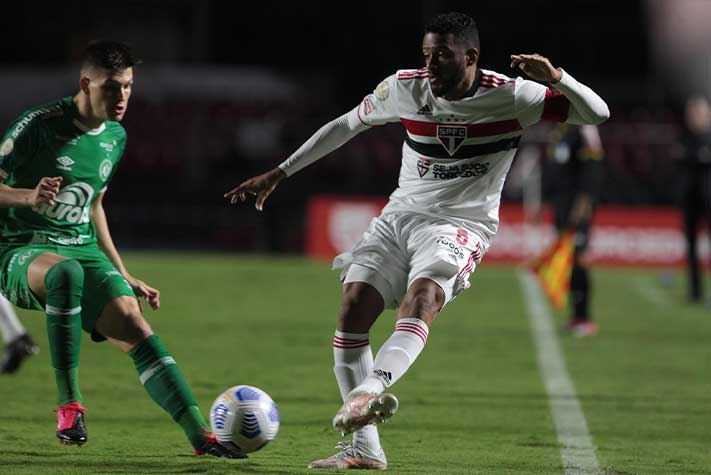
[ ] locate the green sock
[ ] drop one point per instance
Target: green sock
(64, 283)
(166, 385)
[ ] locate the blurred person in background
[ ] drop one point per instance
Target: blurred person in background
(696, 184)
(572, 180)
(463, 126)
(18, 343)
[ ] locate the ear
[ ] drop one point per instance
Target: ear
(84, 84)
(472, 56)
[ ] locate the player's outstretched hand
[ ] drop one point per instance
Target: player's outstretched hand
(148, 293)
(536, 67)
(260, 186)
(46, 191)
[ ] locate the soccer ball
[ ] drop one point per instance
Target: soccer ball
(244, 417)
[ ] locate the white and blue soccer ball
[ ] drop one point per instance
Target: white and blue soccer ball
(244, 417)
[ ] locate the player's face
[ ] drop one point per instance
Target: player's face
(446, 60)
(109, 92)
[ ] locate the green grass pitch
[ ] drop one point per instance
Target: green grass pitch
(473, 403)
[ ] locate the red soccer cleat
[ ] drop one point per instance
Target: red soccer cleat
(70, 424)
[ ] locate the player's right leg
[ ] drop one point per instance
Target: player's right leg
(58, 282)
(18, 343)
(361, 304)
(123, 324)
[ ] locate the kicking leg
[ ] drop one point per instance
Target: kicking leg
(122, 323)
(18, 343)
(367, 404)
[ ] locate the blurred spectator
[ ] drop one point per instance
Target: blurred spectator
(696, 177)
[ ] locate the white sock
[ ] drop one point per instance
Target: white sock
(10, 326)
(397, 354)
(353, 361)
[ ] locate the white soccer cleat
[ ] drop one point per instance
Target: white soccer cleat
(363, 408)
(353, 456)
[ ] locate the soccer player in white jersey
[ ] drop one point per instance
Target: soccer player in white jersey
(463, 126)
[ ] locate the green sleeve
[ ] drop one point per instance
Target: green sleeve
(20, 143)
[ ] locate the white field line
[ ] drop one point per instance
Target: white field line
(650, 293)
(577, 450)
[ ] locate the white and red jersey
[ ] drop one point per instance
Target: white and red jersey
(457, 153)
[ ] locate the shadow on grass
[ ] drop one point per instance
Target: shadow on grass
(39, 463)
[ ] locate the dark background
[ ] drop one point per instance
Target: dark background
(287, 68)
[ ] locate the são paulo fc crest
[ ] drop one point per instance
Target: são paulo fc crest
(423, 166)
(451, 137)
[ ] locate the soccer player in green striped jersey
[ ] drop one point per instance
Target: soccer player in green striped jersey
(56, 251)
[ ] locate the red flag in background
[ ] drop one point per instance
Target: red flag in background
(553, 269)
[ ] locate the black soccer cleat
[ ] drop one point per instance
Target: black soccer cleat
(70, 424)
(16, 352)
(216, 449)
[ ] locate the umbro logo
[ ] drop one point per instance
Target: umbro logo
(425, 110)
(65, 163)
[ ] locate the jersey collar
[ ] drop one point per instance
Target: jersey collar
(87, 130)
(475, 84)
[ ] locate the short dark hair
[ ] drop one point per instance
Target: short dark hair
(111, 55)
(460, 25)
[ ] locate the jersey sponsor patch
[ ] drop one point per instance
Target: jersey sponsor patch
(423, 166)
(71, 204)
(451, 137)
(6, 147)
(382, 91)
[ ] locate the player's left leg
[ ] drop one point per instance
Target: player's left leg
(18, 343)
(122, 323)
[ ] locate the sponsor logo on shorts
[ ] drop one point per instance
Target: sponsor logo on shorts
(451, 137)
(72, 204)
(457, 251)
(22, 259)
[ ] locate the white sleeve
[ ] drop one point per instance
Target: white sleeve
(569, 101)
(586, 107)
(327, 139)
(380, 107)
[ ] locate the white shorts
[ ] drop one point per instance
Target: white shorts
(399, 248)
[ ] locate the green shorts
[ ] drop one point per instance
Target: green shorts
(102, 282)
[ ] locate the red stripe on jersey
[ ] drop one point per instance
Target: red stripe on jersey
(555, 106)
(413, 76)
(485, 77)
(429, 129)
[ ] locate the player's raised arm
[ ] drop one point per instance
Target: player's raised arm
(571, 101)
